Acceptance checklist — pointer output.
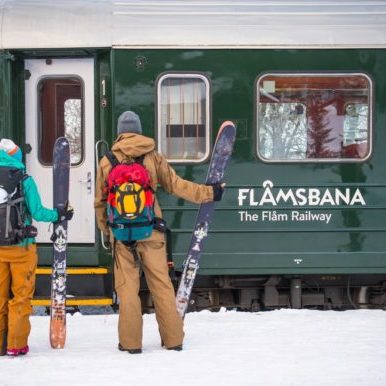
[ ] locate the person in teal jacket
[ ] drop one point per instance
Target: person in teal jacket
(18, 261)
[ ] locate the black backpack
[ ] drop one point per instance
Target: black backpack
(12, 206)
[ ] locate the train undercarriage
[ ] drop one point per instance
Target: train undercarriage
(259, 293)
(241, 292)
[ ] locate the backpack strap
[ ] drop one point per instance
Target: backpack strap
(132, 247)
(112, 159)
(160, 225)
(140, 159)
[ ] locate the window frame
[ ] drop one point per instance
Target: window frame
(261, 76)
(187, 75)
(39, 120)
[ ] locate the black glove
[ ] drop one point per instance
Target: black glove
(218, 191)
(65, 213)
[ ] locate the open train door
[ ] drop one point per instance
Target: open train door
(59, 101)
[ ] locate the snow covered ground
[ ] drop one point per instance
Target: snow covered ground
(284, 347)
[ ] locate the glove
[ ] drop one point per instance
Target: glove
(218, 190)
(65, 214)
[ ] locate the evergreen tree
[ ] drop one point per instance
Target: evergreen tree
(319, 133)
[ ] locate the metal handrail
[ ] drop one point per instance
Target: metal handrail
(97, 145)
(103, 242)
(98, 156)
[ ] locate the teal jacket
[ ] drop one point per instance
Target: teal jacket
(32, 197)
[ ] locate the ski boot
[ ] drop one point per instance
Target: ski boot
(14, 352)
(130, 350)
(175, 348)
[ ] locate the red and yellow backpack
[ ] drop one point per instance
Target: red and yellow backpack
(130, 199)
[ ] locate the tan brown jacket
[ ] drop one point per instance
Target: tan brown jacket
(128, 146)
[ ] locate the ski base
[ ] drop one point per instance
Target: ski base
(222, 151)
(61, 170)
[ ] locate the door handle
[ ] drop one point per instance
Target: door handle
(87, 181)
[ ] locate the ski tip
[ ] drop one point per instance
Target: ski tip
(57, 346)
(61, 141)
(231, 128)
(227, 123)
(57, 343)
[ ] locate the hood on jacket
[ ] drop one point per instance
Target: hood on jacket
(133, 145)
(7, 160)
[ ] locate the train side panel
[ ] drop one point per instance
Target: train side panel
(278, 237)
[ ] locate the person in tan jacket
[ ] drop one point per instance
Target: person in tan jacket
(131, 144)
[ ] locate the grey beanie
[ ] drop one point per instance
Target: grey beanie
(129, 122)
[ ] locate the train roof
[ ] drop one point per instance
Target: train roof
(38, 24)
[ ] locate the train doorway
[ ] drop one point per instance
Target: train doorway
(59, 101)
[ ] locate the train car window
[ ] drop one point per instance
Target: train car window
(60, 114)
(310, 117)
(183, 117)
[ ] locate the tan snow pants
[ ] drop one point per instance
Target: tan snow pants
(17, 285)
(127, 284)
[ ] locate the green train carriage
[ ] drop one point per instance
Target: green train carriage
(302, 223)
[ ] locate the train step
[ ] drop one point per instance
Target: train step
(75, 271)
(86, 286)
(39, 301)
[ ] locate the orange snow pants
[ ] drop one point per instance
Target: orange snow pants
(127, 284)
(17, 285)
